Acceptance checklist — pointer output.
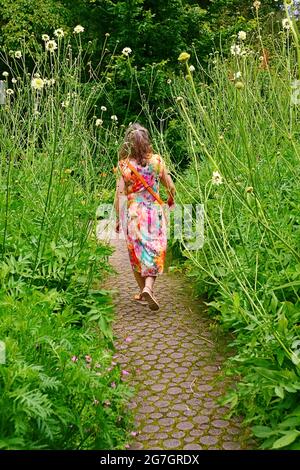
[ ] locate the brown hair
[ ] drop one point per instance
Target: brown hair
(136, 144)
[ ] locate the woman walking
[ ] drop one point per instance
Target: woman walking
(145, 224)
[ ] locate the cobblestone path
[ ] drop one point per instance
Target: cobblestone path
(174, 364)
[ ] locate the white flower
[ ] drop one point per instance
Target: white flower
(242, 35)
(169, 81)
(98, 122)
(45, 37)
(237, 75)
(114, 118)
(103, 108)
(18, 54)
(286, 23)
(65, 104)
(9, 91)
(126, 51)
(256, 4)
(5, 74)
(78, 29)
(37, 83)
(51, 45)
(51, 81)
(14, 80)
(216, 178)
(59, 33)
(235, 49)
(37, 75)
(192, 68)
(179, 99)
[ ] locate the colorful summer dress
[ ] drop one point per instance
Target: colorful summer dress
(143, 220)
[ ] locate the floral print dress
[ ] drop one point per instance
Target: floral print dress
(143, 219)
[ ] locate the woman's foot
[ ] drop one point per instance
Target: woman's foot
(147, 295)
(138, 298)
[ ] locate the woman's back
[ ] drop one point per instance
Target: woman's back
(151, 172)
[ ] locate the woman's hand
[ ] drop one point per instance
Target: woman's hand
(118, 225)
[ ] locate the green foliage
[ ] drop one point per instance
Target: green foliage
(249, 266)
(59, 386)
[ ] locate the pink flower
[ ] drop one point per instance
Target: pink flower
(114, 364)
(138, 371)
(74, 358)
(133, 433)
(97, 365)
(125, 372)
(113, 385)
(88, 358)
(128, 339)
(127, 446)
(109, 369)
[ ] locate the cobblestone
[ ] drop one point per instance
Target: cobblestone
(172, 358)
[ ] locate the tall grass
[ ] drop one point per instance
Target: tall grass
(246, 128)
(60, 388)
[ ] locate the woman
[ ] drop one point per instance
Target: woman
(145, 224)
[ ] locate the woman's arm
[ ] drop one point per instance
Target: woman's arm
(168, 183)
(120, 191)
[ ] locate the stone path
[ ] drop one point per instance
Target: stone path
(174, 364)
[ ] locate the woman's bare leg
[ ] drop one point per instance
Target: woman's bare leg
(149, 282)
(140, 280)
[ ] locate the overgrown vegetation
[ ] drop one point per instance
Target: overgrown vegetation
(230, 126)
(242, 133)
(60, 388)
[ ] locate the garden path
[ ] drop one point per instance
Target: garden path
(175, 364)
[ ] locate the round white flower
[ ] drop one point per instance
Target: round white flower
(51, 45)
(14, 80)
(216, 178)
(237, 75)
(65, 104)
(9, 91)
(103, 108)
(169, 81)
(179, 99)
(126, 51)
(5, 74)
(98, 122)
(59, 33)
(235, 49)
(242, 35)
(78, 29)
(37, 83)
(192, 68)
(114, 118)
(18, 54)
(45, 37)
(286, 23)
